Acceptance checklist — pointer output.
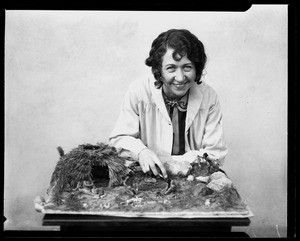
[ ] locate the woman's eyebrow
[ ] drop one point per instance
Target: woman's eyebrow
(174, 64)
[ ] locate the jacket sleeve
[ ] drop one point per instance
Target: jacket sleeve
(126, 133)
(213, 142)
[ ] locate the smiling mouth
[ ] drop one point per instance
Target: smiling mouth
(180, 85)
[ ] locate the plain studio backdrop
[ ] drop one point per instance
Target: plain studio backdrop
(66, 73)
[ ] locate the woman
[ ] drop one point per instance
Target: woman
(172, 112)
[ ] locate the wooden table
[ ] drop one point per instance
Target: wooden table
(106, 226)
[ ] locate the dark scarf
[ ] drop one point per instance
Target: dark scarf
(177, 112)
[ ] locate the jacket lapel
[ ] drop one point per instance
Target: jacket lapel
(158, 99)
(194, 103)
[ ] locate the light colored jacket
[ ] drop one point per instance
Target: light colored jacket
(144, 121)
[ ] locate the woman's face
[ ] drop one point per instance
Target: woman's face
(177, 76)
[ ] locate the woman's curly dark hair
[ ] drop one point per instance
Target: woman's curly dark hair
(184, 43)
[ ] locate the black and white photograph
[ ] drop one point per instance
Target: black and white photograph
(175, 122)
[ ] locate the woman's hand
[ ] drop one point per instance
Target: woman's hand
(148, 159)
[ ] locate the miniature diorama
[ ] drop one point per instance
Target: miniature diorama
(98, 180)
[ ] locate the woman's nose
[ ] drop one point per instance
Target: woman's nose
(179, 75)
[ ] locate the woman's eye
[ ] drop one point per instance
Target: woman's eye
(188, 67)
(171, 68)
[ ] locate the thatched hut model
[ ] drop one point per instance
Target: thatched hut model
(83, 164)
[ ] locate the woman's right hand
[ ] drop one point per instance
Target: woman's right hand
(148, 159)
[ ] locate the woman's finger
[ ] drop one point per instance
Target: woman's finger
(144, 165)
(161, 167)
(153, 169)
